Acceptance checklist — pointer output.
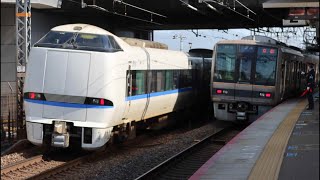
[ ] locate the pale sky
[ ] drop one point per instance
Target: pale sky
(208, 38)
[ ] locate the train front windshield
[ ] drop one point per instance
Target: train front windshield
(234, 63)
(266, 66)
(225, 63)
(79, 41)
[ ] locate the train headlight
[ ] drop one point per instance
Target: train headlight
(34, 96)
(220, 91)
(101, 102)
(263, 94)
(98, 101)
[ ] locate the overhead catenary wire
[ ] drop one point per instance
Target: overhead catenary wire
(122, 2)
(213, 8)
(94, 6)
(233, 10)
(245, 7)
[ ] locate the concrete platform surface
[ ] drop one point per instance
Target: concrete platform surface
(261, 151)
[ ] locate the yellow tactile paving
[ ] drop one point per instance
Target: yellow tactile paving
(268, 165)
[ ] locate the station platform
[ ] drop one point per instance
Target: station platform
(282, 144)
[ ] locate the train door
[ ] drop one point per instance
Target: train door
(296, 76)
(286, 77)
(299, 76)
(128, 92)
(148, 81)
(244, 74)
(138, 92)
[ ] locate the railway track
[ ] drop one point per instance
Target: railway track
(47, 167)
(40, 166)
(184, 164)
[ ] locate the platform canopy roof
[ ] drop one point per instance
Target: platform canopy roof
(290, 3)
(183, 14)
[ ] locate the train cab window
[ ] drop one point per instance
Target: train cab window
(246, 56)
(96, 42)
(266, 66)
(225, 62)
(79, 41)
(54, 39)
(245, 68)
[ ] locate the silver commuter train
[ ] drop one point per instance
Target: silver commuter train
(251, 75)
(85, 85)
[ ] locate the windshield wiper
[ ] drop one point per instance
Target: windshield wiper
(71, 41)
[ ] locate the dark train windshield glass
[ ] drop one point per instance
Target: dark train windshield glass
(266, 66)
(246, 56)
(79, 41)
(225, 62)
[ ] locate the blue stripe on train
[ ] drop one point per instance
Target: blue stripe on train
(154, 94)
(64, 104)
(74, 105)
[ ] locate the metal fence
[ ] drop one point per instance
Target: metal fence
(9, 122)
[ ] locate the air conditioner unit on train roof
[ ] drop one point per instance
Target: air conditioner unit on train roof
(262, 39)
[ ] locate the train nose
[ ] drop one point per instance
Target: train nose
(66, 76)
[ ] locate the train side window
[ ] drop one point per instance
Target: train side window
(138, 82)
(176, 79)
(153, 81)
(160, 81)
(182, 79)
(169, 80)
(188, 81)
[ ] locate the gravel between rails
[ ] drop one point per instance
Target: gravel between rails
(130, 162)
(18, 156)
(11, 158)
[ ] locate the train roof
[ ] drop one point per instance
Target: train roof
(257, 39)
(83, 28)
(144, 43)
(206, 53)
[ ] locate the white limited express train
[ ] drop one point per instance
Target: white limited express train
(85, 85)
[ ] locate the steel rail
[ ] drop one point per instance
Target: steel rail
(151, 173)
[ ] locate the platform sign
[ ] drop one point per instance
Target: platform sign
(303, 13)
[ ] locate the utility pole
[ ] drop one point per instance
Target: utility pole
(23, 45)
(190, 45)
(181, 38)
